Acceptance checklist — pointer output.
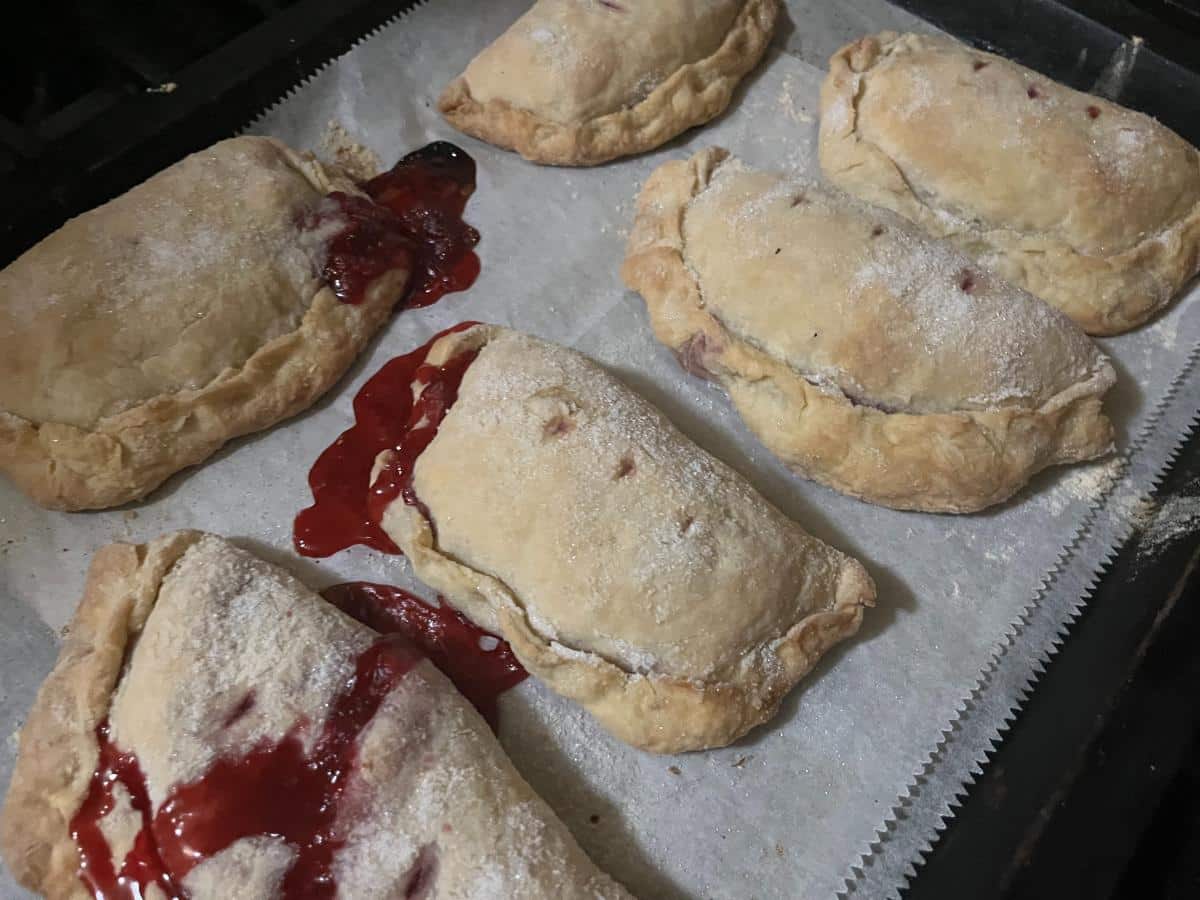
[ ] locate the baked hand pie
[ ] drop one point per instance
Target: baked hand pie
(580, 82)
(628, 569)
(213, 729)
(1093, 207)
(866, 355)
(220, 296)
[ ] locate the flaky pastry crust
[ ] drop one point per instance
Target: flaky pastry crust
(937, 462)
(653, 710)
(58, 751)
(125, 455)
(1068, 188)
(691, 95)
(169, 636)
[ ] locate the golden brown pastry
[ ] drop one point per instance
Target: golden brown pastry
(628, 569)
(143, 335)
(863, 353)
(580, 82)
(1093, 207)
(289, 745)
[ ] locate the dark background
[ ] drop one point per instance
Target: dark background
(1096, 790)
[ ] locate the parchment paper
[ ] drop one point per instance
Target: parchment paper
(789, 810)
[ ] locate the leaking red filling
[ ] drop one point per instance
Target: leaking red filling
(411, 218)
(481, 665)
(275, 789)
(344, 512)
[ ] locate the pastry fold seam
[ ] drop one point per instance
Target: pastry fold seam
(959, 461)
(124, 455)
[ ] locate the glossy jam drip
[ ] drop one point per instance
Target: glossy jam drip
(275, 789)
(481, 665)
(142, 866)
(439, 391)
(412, 220)
(428, 190)
(384, 419)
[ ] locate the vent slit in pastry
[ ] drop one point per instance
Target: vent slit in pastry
(1093, 207)
(628, 569)
(579, 83)
(204, 304)
(865, 354)
(215, 729)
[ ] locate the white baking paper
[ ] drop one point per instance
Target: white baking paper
(787, 811)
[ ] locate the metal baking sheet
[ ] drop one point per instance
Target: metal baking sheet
(792, 808)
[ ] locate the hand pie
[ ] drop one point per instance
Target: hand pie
(864, 354)
(213, 729)
(1091, 206)
(143, 335)
(580, 82)
(628, 569)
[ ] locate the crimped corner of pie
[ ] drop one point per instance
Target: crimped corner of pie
(1104, 294)
(693, 94)
(125, 456)
(58, 749)
(843, 155)
(956, 462)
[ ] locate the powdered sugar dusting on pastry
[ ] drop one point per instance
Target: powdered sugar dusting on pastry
(570, 61)
(855, 297)
(428, 776)
(171, 284)
(1089, 205)
(581, 471)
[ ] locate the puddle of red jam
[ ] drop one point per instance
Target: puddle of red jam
(411, 218)
(481, 665)
(385, 418)
(275, 789)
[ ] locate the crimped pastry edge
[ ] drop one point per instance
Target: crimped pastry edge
(938, 462)
(58, 751)
(1104, 295)
(658, 713)
(123, 457)
(693, 94)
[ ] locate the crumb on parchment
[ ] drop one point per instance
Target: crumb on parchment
(359, 162)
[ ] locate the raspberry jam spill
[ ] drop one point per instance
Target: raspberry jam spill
(142, 865)
(481, 665)
(385, 418)
(275, 789)
(412, 220)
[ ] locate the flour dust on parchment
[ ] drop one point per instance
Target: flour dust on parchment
(1162, 524)
(1156, 523)
(1089, 483)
